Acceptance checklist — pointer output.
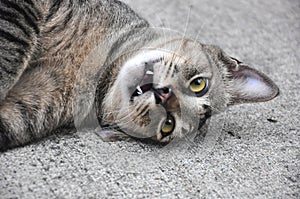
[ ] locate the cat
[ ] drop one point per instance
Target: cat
(64, 61)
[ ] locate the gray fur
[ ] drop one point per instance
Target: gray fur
(74, 67)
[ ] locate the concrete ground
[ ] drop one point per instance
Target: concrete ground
(252, 150)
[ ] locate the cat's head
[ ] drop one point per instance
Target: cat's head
(170, 90)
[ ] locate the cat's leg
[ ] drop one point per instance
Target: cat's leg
(34, 107)
(19, 30)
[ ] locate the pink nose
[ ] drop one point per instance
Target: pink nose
(162, 95)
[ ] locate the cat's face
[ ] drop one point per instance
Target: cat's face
(170, 91)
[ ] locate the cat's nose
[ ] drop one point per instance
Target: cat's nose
(162, 95)
(166, 98)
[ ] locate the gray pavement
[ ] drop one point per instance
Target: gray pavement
(253, 149)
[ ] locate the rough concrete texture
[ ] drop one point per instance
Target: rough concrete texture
(253, 152)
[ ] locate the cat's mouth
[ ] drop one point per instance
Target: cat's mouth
(164, 97)
(153, 100)
(161, 95)
(140, 90)
(145, 85)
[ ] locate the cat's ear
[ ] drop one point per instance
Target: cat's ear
(250, 85)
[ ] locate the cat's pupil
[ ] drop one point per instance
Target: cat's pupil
(169, 126)
(199, 86)
(198, 81)
(168, 122)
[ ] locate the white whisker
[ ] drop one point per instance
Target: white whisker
(164, 32)
(186, 27)
(203, 24)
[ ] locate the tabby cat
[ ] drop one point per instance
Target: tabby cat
(63, 61)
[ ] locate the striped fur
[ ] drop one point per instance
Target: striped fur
(19, 32)
(43, 44)
(60, 60)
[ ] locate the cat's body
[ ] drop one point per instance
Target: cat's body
(62, 59)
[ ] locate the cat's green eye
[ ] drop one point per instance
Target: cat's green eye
(168, 126)
(199, 86)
